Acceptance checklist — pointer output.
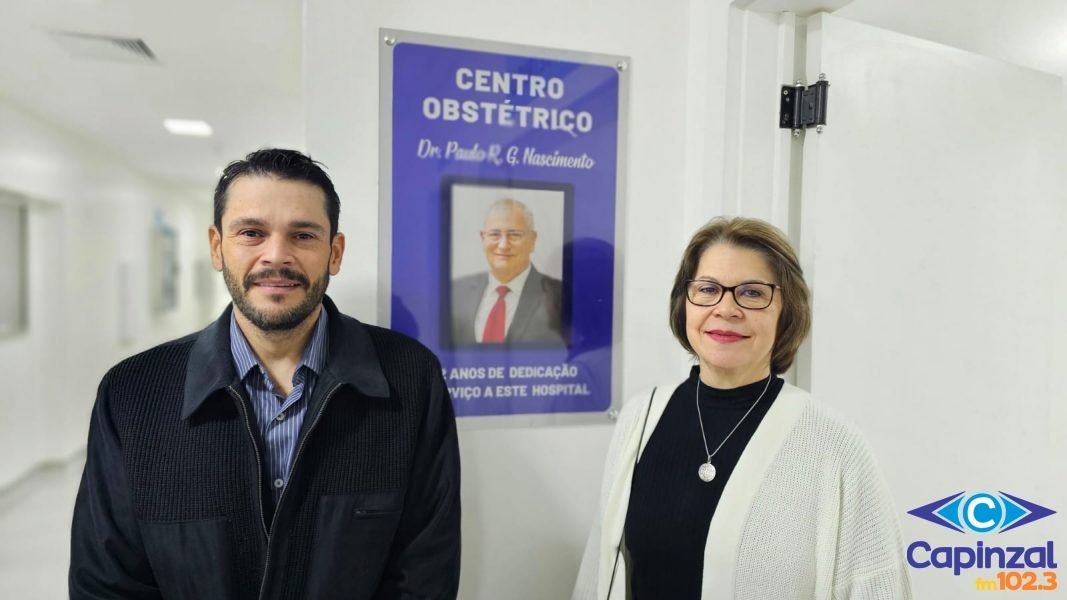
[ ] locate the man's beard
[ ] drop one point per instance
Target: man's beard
(275, 321)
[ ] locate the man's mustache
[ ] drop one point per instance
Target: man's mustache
(291, 275)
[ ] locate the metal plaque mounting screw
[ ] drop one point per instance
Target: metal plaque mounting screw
(796, 133)
(819, 128)
(389, 40)
(621, 65)
(613, 415)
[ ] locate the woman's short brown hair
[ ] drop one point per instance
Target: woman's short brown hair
(753, 234)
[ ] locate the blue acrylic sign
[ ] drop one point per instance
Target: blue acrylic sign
(503, 212)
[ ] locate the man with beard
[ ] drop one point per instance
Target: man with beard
(285, 451)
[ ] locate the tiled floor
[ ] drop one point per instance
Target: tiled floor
(35, 533)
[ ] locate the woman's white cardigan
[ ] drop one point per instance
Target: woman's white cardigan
(805, 513)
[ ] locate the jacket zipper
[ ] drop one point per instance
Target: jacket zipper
(292, 469)
(259, 462)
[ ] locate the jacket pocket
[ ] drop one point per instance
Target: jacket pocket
(190, 559)
(353, 536)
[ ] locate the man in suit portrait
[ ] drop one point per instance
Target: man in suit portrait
(512, 302)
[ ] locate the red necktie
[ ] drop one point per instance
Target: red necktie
(494, 325)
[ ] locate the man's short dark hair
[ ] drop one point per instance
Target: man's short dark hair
(283, 164)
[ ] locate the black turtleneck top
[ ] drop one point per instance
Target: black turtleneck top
(670, 508)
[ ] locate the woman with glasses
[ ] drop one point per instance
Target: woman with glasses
(733, 483)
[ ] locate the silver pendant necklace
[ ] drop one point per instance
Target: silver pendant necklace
(706, 472)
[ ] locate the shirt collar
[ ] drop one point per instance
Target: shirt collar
(352, 359)
(515, 285)
(313, 356)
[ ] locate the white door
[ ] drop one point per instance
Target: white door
(933, 235)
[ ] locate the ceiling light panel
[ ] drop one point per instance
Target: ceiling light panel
(188, 127)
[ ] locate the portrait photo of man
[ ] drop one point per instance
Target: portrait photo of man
(510, 300)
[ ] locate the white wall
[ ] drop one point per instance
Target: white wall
(88, 214)
(529, 494)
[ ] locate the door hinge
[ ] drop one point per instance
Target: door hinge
(802, 107)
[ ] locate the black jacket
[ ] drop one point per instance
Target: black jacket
(174, 504)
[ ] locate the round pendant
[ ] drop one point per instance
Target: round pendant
(706, 472)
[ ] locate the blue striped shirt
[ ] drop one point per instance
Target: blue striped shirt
(279, 417)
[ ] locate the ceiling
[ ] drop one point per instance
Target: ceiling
(233, 63)
(237, 65)
(1031, 33)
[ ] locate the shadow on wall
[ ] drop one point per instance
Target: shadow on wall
(519, 521)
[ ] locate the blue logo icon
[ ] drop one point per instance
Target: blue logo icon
(981, 512)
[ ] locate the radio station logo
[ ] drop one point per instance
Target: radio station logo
(981, 512)
(985, 513)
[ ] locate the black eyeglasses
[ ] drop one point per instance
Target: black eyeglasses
(753, 295)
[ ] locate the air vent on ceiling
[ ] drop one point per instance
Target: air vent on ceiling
(104, 47)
